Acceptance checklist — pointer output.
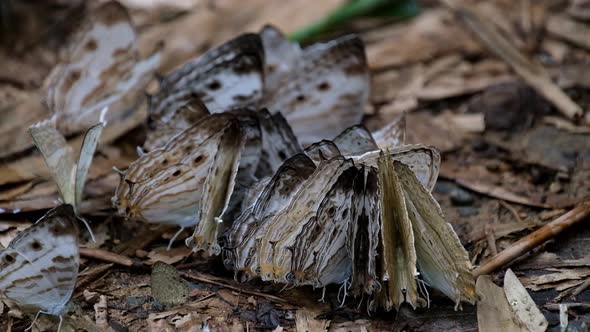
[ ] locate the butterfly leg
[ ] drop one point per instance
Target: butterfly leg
(323, 299)
(424, 291)
(87, 224)
(344, 289)
(37, 317)
(174, 238)
(34, 320)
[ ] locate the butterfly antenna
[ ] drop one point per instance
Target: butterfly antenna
(174, 238)
(103, 115)
(87, 224)
(61, 320)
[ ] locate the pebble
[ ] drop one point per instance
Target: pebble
(461, 197)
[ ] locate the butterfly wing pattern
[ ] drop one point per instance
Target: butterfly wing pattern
(323, 91)
(102, 69)
(224, 151)
(39, 268)
(353, 221)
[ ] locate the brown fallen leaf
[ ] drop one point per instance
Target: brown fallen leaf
(171, 256)
(524, 310)
(562, 275)
(493, 309)
(305, 322)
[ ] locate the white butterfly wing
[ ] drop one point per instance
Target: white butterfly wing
(423, 160)
(326, 93)
(280, 56)
(355, 140)
(39, 268)
(226, 77)
(58, 156)
(393, 134)
(89, 145)
(101, 68)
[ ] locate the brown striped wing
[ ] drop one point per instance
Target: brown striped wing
(320, 256)
(267, 248)
(274, 196)
(364, 231)
(39, 268)
(166, 185)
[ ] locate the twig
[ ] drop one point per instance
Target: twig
(536, 238)
(491, 238)
(209, 279)
(510, 209)
(581, 288)
(106, 256)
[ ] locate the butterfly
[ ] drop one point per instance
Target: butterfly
(101, 68)
(320, 89)
(362, 219)
(307, 85)
(186, 182)
(227, 77)
(68, 174)
(39, 268)
(257, 140)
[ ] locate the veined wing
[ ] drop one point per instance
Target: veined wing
(217, 190)
(326, 92)
(165, 185)
(355, 140)
(397, 257)
(39, 268)
(225, 77)
(442, 260)
(278, 143)
(275, 196)
(423, 160)
(102, 69)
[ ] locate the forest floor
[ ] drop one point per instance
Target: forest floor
(515, 155)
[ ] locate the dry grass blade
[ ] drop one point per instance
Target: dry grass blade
(534, 74)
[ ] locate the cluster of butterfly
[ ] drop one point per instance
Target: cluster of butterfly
(256, 140)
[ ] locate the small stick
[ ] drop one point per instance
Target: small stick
(536, 238)
(106, 256)
(491, 238)
(581, 288)
(203, 278)
(511, 209)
